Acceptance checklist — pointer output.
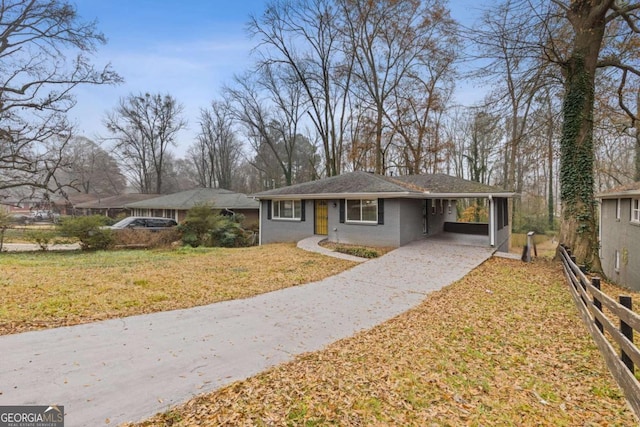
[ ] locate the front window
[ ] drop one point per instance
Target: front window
(287, 209)
(362, 210)
(635, 210)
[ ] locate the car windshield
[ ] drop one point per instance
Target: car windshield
(123, 223)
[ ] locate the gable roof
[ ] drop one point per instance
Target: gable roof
(183, 200)
(627, 190)
(363, 184)
(118, 201)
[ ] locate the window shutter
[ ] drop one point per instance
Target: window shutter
(342, 211)
(268, 209)
(303, 203)
(381, 211)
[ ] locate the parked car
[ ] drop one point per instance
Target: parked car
(144, 223)
(44, 215)
(19, 218)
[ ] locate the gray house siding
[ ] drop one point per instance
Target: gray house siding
(282, 230)
(403, 219)
(438, 213)
(620, 236)
(387, 234)
(411, 220)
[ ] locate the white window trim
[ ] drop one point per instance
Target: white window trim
(284, 218)
(618, 209)
(635, 210)
(616, 262)
(359, 221)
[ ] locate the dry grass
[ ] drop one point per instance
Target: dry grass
(503, 346)
(44, 290)
(545, 245)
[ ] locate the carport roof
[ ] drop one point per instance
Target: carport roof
(371, 185)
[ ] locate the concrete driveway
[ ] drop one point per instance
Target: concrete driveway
(119, 370)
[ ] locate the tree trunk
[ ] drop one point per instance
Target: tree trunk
(550, 199)
(579, 226)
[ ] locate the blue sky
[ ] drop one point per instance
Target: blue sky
(188, 49)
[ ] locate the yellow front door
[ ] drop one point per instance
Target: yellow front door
(321, 218)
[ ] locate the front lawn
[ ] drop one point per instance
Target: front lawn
(503, 346)
(48, 289)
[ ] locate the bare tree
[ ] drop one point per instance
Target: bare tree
(481, 151)
(503, 38)
(91, 169)
(144, 126)
(269, 107)
(303, 36)
(216, 152)
(178, 174)
(44, 48)
(390, 42)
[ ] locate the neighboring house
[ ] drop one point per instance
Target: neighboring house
(112, 206)
(54, 203)
(176, 205)
(367, 209)
(67, 205)
(620, 234)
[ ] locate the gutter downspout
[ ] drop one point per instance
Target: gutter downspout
(492, 232)
(618, 201)
(259, 222)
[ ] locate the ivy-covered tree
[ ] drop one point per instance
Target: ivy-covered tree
(592, 22)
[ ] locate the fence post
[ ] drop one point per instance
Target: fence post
(627, 331)
(596, 302)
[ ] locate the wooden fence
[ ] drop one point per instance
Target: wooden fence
(590, 302)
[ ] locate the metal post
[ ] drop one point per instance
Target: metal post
(527, 248)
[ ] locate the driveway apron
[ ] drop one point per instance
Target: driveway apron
(113, 371)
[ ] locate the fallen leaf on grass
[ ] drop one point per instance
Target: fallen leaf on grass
(462, 357)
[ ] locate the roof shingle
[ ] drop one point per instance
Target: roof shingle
(367, 183)
(184, 200)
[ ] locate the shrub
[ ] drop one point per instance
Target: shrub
(228, 233)
(145, 238)
(205, 227)
(358, 251)
(526, 223)
(42, 238)
(197, 225)
(88, 230)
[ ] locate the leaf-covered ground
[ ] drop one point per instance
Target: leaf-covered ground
(43, 290)
(503, 346)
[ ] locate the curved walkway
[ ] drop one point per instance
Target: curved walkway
(127, 369)
(312, 244)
